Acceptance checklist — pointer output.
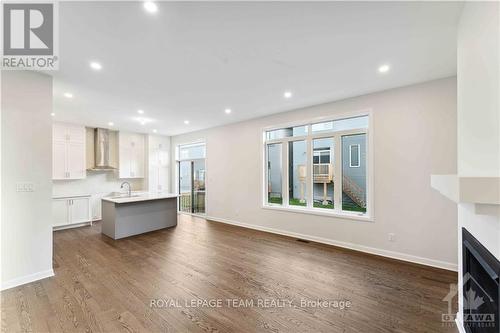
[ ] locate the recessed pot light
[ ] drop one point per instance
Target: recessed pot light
(384, 68)
(143, 120)
(52, 114)
(68, 95)
(287, 94)
(150, 6)
(154, 131)
(95, 66)
(228, 111)
(111, 123)
(140, 111)
(186, 122)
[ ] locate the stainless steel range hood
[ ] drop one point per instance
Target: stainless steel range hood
(101, 150)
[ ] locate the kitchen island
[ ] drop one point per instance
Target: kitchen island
(134, 214)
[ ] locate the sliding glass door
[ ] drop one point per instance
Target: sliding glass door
(192, 175)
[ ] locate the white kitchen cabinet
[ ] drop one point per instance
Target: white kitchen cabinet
(96, 204)
(76, 133)
(158, 166)
(131, 155)
(59, 169)
(163, 179)
(80, 210)
(59, 132)
(60, 212)
(68, 151)
(70, 212)
(76, 160)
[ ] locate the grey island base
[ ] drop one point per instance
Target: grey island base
(126, 216)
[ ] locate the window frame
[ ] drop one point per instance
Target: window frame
(350, 156)
(337, 162)
(266, 173)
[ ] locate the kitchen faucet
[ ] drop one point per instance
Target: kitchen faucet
(129, 188)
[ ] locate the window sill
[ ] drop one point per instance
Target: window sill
(321, 212)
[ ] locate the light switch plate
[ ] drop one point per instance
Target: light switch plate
(25, 187)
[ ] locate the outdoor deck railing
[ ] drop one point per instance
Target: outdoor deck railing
(197, 202)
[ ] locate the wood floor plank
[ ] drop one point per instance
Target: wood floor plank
(103, 285)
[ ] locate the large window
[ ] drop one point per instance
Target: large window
(319, 167)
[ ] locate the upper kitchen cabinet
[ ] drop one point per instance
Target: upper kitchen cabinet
(158, 166)
(131, 155)
(68, 151)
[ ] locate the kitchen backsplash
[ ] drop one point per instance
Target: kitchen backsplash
(96, 182)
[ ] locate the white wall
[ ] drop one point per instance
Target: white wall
(414, 135)
(478, 91)
(26, 228)
(478, 75)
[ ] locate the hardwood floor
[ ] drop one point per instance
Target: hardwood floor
(103, 285)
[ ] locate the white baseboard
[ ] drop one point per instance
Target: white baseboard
(385, 253)
(71, 226)
(27, 279)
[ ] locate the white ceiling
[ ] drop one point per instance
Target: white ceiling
(190, 61)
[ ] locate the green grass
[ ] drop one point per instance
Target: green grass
(353, 208)
(317, 204)
(296, 202)
(275, 200)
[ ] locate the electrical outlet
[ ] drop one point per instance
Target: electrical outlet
(392, 237)
(25, 187)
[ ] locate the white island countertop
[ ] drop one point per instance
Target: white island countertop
(137, 197)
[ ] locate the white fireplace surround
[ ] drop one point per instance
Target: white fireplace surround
(476, 187)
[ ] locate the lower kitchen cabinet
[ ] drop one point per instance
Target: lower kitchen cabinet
(97, 205)
(69, 212)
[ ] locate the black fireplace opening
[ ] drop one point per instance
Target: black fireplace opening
(481, 292)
